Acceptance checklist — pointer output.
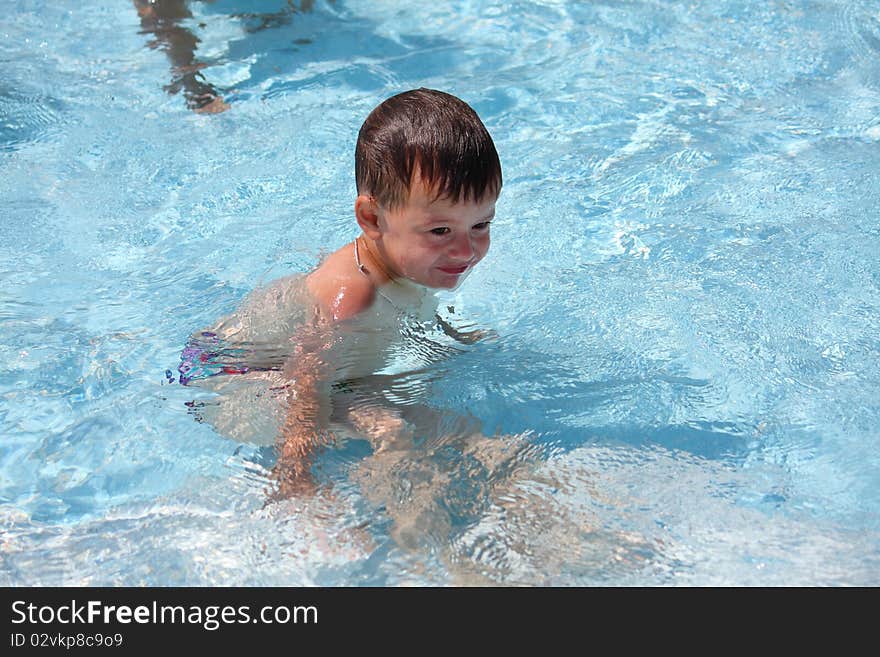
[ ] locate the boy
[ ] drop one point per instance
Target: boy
(428, 176)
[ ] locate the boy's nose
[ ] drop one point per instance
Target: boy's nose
(462, 248)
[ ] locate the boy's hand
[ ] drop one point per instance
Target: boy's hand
(466, 337)
(293, 468)
(481, 335)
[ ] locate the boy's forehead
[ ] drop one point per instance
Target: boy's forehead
(430, 197)
(421, 191)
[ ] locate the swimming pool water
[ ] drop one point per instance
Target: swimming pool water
(684, 282)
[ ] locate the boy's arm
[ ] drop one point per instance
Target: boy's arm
(305, 427)
(310, 372)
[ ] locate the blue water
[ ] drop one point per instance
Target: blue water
(684, 280)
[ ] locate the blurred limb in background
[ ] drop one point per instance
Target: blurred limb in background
(166, 21)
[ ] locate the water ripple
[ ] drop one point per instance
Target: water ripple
(27, 118)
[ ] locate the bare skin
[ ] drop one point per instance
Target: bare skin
(166, 21)
(422, 457)
(429, 241)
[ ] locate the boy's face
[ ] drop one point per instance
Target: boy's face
(435, 242)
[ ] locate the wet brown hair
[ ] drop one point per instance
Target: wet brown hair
(431, 132)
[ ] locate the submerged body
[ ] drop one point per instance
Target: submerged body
(249, 356)
(296, 350)
(371, 390)
(320, 350)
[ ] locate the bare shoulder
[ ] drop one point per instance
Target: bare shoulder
(340, 289)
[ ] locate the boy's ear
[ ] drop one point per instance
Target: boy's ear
(367, 213)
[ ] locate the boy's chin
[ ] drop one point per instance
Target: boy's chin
(452, 282)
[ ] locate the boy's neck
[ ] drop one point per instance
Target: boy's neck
(370, 262)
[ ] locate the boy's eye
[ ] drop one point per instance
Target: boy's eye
(483, 225)
(444, 230)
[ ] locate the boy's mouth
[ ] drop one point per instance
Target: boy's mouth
(454, 270)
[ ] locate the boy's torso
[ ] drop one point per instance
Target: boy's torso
(250, 403)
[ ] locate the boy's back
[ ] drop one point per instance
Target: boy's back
(248, 357)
